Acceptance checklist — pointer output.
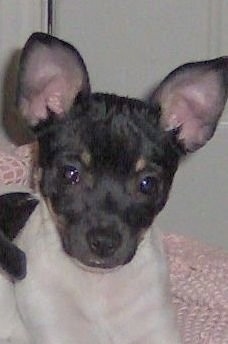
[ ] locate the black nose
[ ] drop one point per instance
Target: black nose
(103, 242)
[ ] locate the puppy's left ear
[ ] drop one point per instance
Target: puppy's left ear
(192, 99)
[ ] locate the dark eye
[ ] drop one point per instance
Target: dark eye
(71, 174)
(148, 185)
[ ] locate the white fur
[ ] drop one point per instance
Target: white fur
(60, 302)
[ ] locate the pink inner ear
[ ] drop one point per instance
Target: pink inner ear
(60, 92)
(193, 131)
(33, 109)
(57, 96)
(193, 105)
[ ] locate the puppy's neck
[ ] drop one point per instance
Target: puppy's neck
(136, 292)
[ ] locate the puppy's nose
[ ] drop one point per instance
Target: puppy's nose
(103, 242)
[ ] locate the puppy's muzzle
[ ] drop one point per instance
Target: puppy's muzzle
(103, 242)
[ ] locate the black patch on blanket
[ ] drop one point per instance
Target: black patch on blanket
(15, 210)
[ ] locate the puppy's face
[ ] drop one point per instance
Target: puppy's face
(107, 171)
(107, 161)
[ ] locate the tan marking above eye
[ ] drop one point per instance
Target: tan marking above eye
(86, 158)
(140, 165)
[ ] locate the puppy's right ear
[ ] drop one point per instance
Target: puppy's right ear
(51, 74)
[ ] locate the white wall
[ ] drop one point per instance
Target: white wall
(128, 46)
(18, 19)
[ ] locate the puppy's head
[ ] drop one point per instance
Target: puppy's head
(108, 162)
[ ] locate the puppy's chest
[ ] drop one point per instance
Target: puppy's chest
(117, 307)
(123, 304)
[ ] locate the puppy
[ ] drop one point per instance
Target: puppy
(96, 270)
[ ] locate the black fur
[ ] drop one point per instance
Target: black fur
(15, 211)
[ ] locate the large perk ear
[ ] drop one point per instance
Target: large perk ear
(51, 74)
(192, 99)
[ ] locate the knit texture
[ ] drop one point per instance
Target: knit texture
(17, 163)
(199, 282)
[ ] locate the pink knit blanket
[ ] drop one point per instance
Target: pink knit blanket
(198, 273)
(199, 281)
